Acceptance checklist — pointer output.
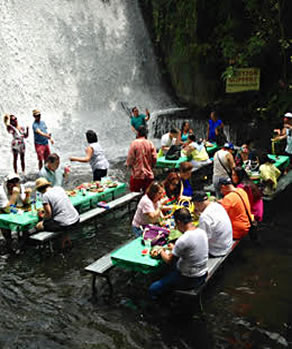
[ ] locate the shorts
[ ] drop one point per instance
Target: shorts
(43, 151)
(137, 185)
(98, 174)
(52, 225)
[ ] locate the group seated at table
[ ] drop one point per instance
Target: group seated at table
(196, 152)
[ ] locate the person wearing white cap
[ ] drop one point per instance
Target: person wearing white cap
(286, 134)
(223, 165)
(13, 193)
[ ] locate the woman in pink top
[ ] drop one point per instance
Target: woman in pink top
(148, 210)
(241, 180)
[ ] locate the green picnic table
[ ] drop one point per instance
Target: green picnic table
(25, 220)
(163, 163)
(281, 162)
(130, 257)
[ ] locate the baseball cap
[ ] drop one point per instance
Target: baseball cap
(200, 196)
(228, 145)
(224, 181)
(11, 176)
(288, 115)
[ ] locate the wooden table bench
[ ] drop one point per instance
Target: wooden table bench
(45, 237)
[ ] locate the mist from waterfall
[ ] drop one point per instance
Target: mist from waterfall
(76, 61)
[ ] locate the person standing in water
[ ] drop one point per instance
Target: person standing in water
(41, 138)
(138, 120)
(95, 156)
(18, 145)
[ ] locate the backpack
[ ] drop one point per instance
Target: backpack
(157, 235)
(173, 153)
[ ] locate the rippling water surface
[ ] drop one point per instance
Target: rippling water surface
(46, 301)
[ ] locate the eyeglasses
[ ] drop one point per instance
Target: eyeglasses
(36, 115)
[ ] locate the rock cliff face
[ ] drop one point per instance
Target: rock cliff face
(175, 32)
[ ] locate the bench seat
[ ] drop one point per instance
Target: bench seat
(45, 236)
(213, 266)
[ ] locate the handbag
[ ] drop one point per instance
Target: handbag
(157, 235)
(173, 152)
(253, 230)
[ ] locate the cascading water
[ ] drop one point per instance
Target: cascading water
(75, 61)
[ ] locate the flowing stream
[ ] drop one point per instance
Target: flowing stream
(76, 61)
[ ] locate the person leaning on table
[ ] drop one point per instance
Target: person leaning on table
(59, 213)
(12, 193)
(189, 256)
(148, 209)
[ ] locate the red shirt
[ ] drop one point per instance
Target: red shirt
(142, 158)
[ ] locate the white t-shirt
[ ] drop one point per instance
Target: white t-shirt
(63, 211)
(145, 206)
(192, 250)
(216, 223)
(166, 141)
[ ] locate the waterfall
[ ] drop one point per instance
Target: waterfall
(76, 61)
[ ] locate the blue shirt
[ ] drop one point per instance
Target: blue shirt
(38, 139)
(212, 127)
(188, 190)
(55, 177)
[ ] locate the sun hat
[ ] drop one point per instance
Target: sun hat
(228, 145)
(36, 112)
(288, 115)
(224, 181)
(200, 196)
(41, 182)
(11, 176)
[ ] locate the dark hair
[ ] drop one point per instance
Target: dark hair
(215, 114)
(173, 130)
(192, 138)
(248, 184)
(185, 166)
(183, 126)
(91, 136)
(134, 109)
(52, 158)
(43, 188)
(264, 158)
(142, 131)
(153, 189)
(168, 181)
(183, 215)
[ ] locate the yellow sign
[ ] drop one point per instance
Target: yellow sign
(245, 79)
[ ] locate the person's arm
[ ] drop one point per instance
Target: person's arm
(48, 211)
(26, 133)
(134, 130)
(218, 127)
(153, 155)
(153, 216)
(167, 257)
(208, 129)
(87, 158)
(230, 161)
(147, 114)
(27, 192)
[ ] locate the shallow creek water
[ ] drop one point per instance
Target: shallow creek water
(46, 300)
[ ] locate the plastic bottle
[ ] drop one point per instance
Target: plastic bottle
(13, 209)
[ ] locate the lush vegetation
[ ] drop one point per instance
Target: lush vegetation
(202, 42)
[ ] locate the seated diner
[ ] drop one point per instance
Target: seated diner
(59, 214)
(148, 209)
(215, 221)
(185, 172)
(196, 152)
(188, 257)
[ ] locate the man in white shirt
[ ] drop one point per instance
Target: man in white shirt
(216, 223)
(190, 253)
(168, 139)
